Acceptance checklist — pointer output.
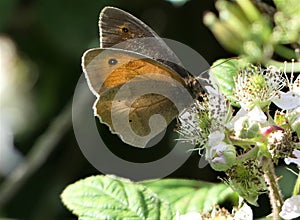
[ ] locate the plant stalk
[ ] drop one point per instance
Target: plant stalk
(275, 195)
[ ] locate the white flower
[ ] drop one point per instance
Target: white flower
(216, 155)
(203, 118)
(291, 208)
(219, 154)
(190, 128)
(291, 99)
(244, 213)
(257, 86)
(295, 160)
(221, 157)
(257, 115)
(287, 100)
(246, 124)
(215, 138)
(217, 107)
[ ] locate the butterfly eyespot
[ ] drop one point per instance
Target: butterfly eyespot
(125, 29)
(112, 61)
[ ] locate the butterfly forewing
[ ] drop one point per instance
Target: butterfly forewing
(119, 29)
(107, 68)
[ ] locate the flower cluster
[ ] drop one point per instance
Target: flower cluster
(239, 133)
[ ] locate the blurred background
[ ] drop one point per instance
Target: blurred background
(41, 44)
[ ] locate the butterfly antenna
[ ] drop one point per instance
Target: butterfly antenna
(228, 59)
(204, 79)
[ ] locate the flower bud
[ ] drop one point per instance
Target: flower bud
(279, 141)
(247, 179)
(269, 129)
(221, 157)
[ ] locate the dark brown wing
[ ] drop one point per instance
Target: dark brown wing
(120, 29)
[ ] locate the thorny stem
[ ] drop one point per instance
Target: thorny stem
(273, 188)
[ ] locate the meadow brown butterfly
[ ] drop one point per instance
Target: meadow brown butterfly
(135, 76)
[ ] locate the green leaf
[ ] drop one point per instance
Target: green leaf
(192, 195)
(109, 197)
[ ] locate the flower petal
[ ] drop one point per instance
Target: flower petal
(244, 213)
(256, 114)
(287, 100)
(291, 208)
(215, 138)
(295, 160)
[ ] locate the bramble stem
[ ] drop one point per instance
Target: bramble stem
(273, 188)
(289, 65)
